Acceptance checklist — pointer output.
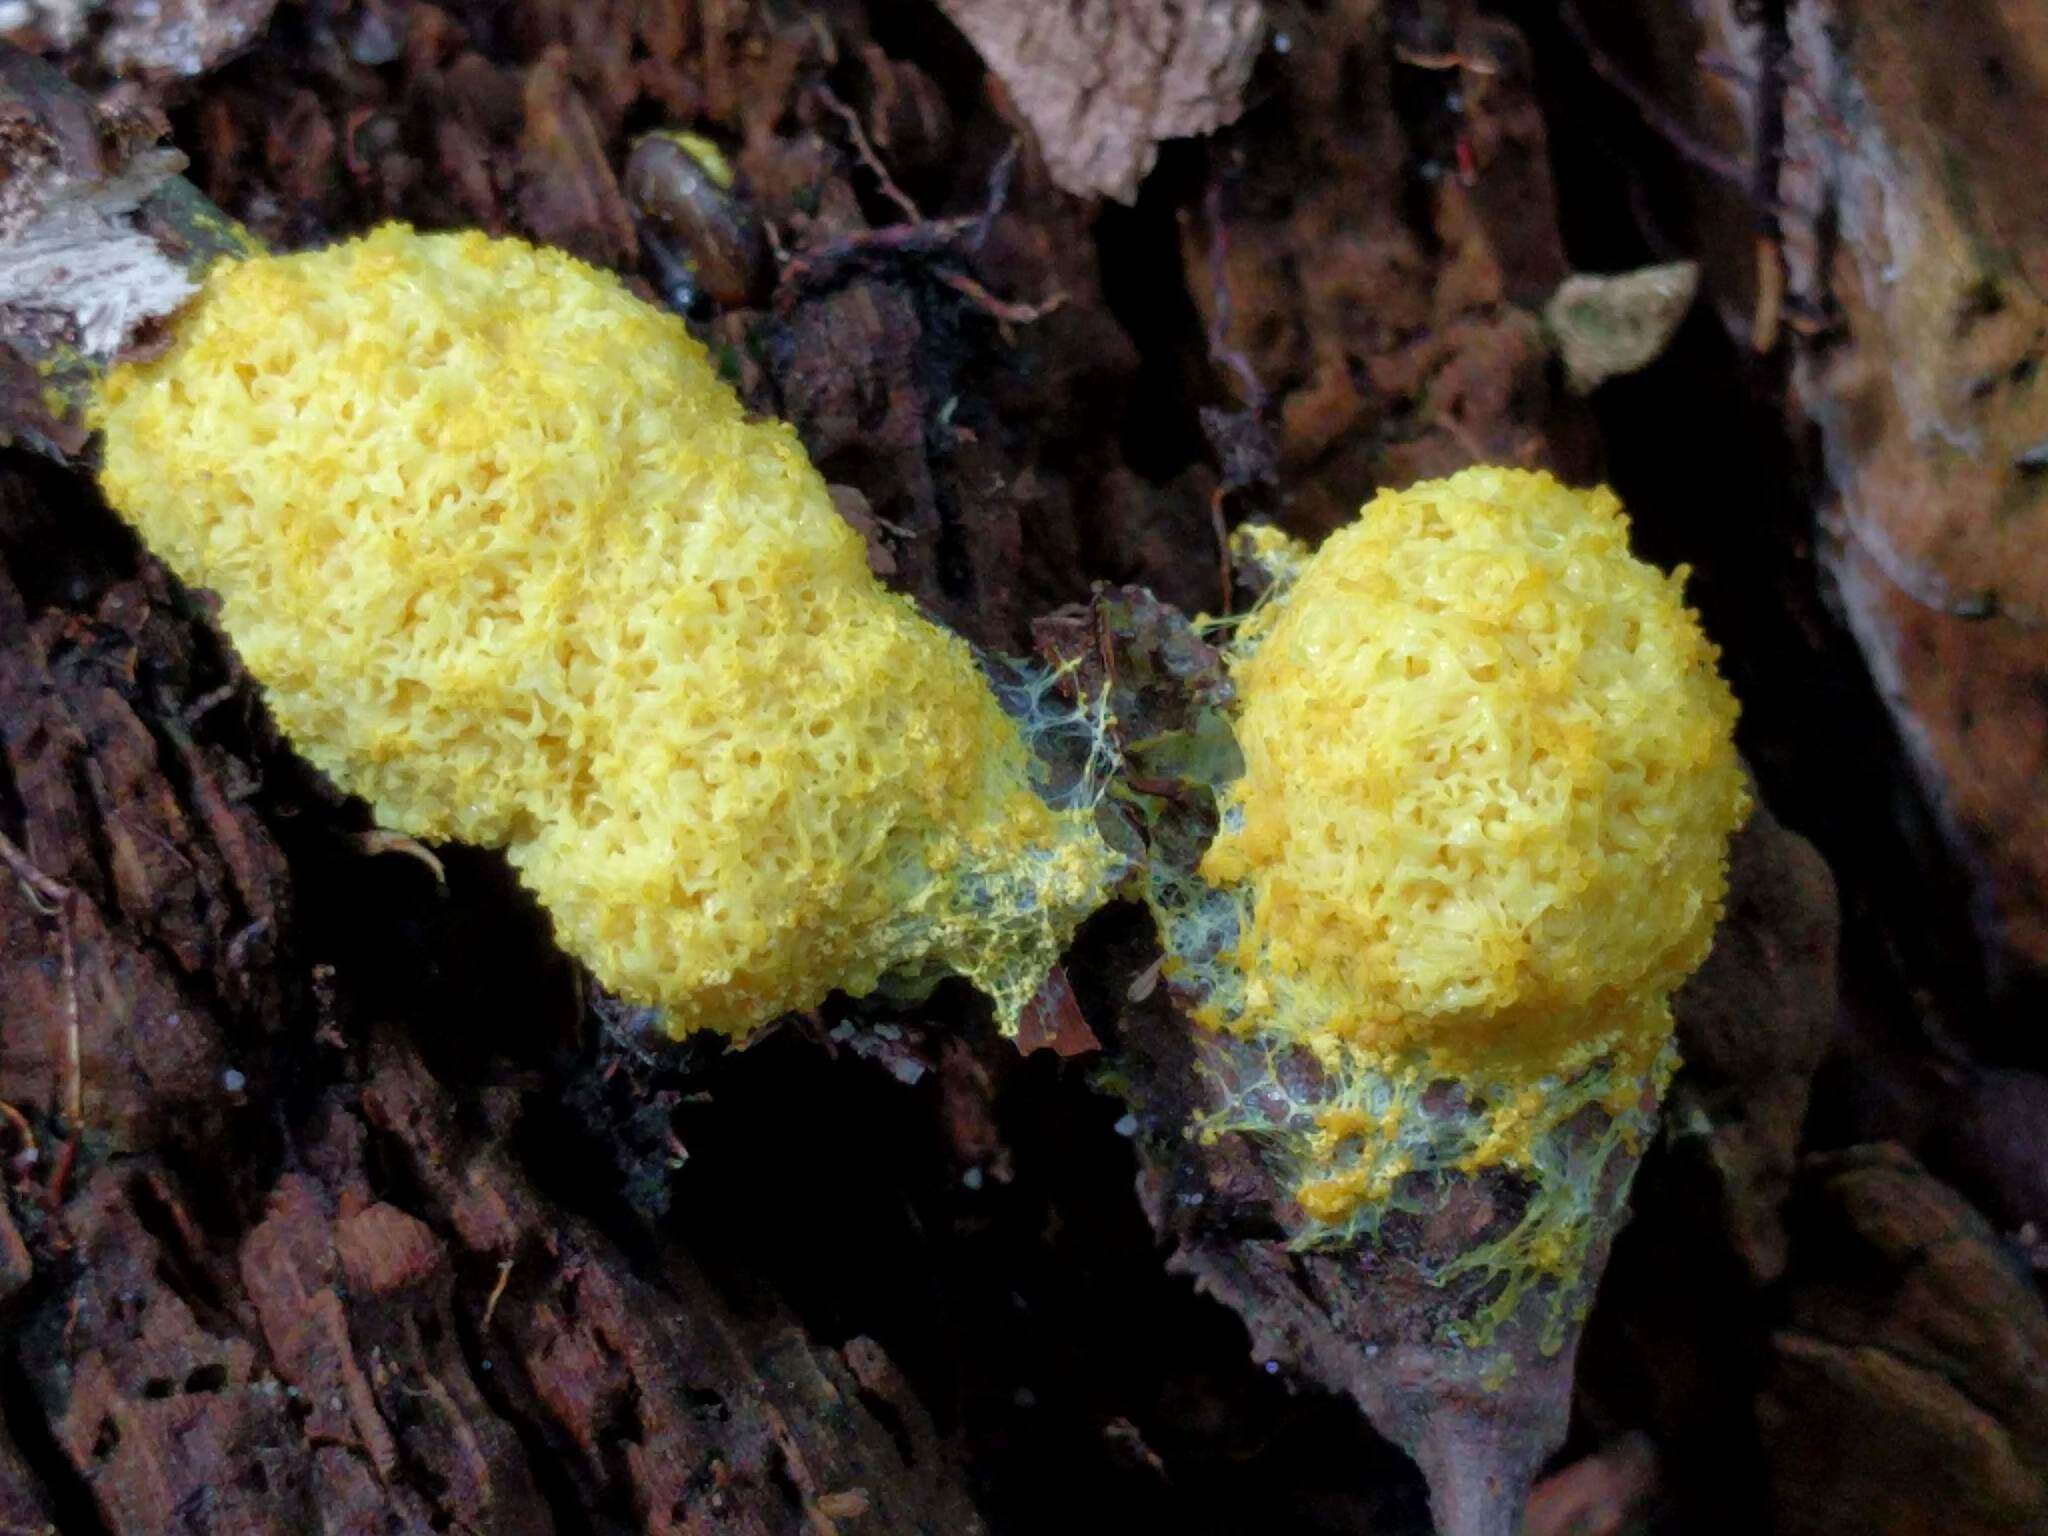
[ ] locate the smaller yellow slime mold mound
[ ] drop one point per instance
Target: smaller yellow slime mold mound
(512, 564)
(1479, 839)
(1489, 782)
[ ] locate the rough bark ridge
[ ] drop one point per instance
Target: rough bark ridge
(276, 1279)
(1888, 240)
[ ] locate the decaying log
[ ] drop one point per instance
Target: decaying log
(264, 1270)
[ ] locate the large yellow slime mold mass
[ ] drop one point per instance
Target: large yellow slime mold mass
(1479, 839)
(512, 564)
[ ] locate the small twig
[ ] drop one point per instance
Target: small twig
(866, 151)
(1250, 390)
(61, 1174)
(1006, 310)
(1770, 295)
(1105, 651)
(74, 1066)
(1461, 434)
(207, 702)
(1220, 348)
(922, 236)
(1470, 62)
(1713, 161)
(53, 898)
(382, 840)
(45, 894)
(1147, 981)
(824, 263)
(491, 1305)
(998, 193)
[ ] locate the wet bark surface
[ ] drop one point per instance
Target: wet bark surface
(337, 1201)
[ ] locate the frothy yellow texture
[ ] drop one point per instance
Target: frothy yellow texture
(1482, 828)
(512, 564)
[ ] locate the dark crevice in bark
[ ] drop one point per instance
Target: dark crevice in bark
(1144, 286)
(73, 1509)
(13, 814)
(184, 1273)
(79, 544)
(547, 1458)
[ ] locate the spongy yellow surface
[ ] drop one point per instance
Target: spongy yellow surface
(513, 565)
(1482, 828)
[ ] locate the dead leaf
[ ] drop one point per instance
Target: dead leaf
(1610, 325)
(1104, 82)
(1053, 1019)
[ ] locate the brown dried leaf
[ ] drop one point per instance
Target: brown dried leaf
(1104, 82)
(1611, 324)
(1053, 1020)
